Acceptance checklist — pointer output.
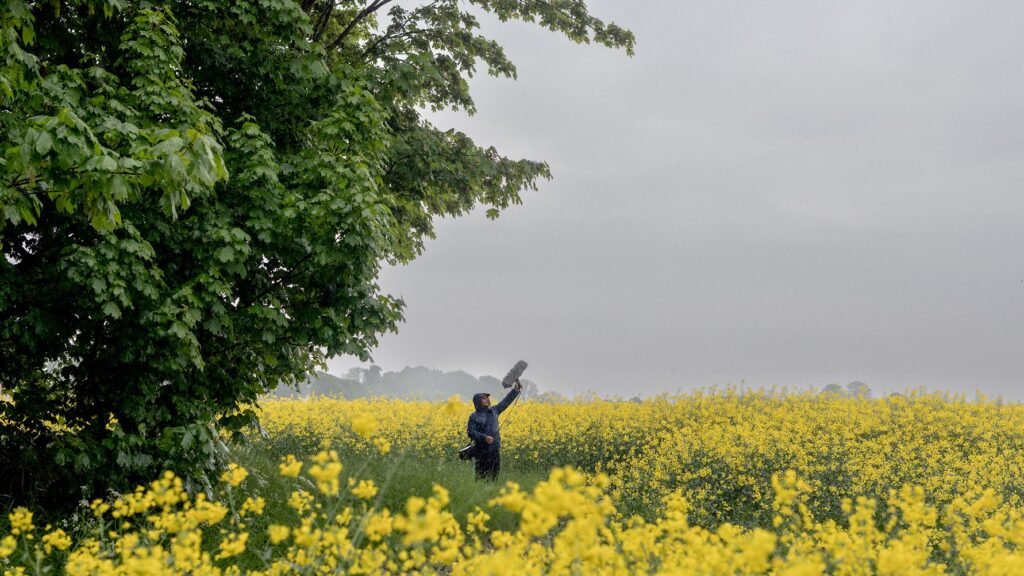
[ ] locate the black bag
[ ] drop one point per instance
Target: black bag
(469, 452)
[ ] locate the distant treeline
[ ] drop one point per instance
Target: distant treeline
(425, 383)
(419, 382)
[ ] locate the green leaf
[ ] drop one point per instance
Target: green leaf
(43, 143)
(180, 330)
(117, 187)
(112, 310)
(225, 254)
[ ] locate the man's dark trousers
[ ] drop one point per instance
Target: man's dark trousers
(488, 464)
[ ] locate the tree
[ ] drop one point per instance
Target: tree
(858, 390)
(833, 390)
(373, 375)
(197, 197)
(550, 397)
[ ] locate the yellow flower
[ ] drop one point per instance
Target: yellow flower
(477, 520)
(99, 507)
(7, 546)
(289, 466)
(56, 540)
(365, 425)
(300, 501)
(325, 471)
(234, 475)
(186, 549)
(253, 505)
(365, 489)
(383, 446)
(21, 520)
(379, 525)
(278, 533)
(453, 406)
(204, 511)
(233, 545)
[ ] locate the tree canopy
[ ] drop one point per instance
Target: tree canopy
(197, 197)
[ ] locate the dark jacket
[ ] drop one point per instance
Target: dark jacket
(484, 422)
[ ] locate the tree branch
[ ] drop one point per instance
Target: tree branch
(21, 182)
(279, 281)
(369, 9)
(323, 19)
(392, 36)
(394, 163)
(389, 37)
(525, 5)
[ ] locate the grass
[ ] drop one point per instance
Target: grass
(399, 475)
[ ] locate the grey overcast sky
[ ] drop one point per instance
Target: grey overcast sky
(769, 193)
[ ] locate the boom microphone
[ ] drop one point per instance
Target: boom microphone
(513, 374)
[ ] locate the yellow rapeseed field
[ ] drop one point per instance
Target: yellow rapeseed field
(706, 483)
(720, 448)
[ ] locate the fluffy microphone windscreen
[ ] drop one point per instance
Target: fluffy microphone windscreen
(513, 374)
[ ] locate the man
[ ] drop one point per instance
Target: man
(483, 430)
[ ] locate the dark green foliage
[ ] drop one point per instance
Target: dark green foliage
(196, 200)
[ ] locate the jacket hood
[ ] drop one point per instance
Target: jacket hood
(478, 399)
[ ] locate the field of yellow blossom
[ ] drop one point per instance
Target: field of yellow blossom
(705, 483)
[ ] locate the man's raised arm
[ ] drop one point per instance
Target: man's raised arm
(512, 395)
